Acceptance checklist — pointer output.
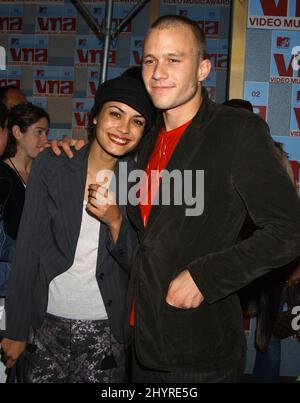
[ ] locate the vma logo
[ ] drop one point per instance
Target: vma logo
(28, 49)
(92, 83)
(80, 113)
(285, 57)
(92, 57)
(53, 81)
(89, 52)
(295, 111)
(274, 14)
(280, 8)
(56, 19)
(11, 24)
(56, 25)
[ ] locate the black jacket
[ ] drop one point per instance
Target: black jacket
(242, 172)
(47, 240)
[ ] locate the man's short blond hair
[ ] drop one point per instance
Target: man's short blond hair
(173, 21)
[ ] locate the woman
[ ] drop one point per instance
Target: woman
(24, 128)
(71, 277)
(27, 127)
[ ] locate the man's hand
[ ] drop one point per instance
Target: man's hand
(183, 292)
(12, 350)
(64, 144)
(102, 204)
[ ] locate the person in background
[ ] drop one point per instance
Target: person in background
(27, 128)
(11, 96)
(75, 245)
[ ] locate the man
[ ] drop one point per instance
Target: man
(11, 96)
(187, 319)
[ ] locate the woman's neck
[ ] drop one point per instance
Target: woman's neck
(21, 162)
(99, 160)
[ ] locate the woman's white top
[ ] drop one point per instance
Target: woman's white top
(75, 293)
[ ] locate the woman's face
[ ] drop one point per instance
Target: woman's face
(119, 128)
(34, 137)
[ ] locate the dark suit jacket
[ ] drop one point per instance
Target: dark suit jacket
(242, 172)
(47, 240)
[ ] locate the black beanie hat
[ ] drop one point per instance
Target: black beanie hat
(128, 90)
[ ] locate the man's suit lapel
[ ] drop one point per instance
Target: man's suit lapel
(144, 153)
(184, 152)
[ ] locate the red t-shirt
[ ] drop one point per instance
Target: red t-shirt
(163, 150)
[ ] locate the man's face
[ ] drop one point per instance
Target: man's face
(171, 69)
(14, 97)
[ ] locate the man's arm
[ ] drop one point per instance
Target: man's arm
(273, 205)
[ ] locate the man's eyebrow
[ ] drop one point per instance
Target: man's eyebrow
(169, 54)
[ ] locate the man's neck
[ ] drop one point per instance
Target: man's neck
(178, 116)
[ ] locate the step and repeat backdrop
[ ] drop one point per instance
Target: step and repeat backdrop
(53, 56)
(272, 85)
(272, 69)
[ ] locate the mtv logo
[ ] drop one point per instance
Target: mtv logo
(94, 74)
(138, 44)
(43, 10)
(283, 42)
(82, 42)
(79, 105)
(40, 73)
(15, 41)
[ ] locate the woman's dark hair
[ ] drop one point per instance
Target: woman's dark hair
(3, 114)
(23, 115)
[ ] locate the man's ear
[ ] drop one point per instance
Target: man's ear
(16, 131)
(204, 69)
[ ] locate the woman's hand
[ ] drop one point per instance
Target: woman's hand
(11, 351)
(102, 204)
